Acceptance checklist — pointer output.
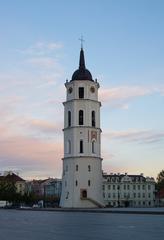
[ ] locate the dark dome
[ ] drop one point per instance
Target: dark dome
(82, 73)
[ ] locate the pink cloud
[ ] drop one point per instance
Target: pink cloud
(20, 148)
(45, 126)
(138, 136)
(31, 154)
(126, 92)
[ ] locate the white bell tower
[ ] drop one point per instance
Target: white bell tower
(82, 162)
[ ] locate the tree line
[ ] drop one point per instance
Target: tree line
(8, 192)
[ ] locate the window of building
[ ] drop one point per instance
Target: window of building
(89, 168)
(89, 182)
(124, 187)
(138, 187)
(93, 119)
(139, 195)
(134, 187)
(143, 187)
(76, 183)
(77, 168)
(134, 194)
(69, 146)
(81, 117)
(66, 169)
(109, 187)
(128, 187)
(81, 146)
(114, 195)
(93, 146)
(143, 195)
(114, 187)
(149, 187)
(81, 92)
(103, 187)
(108, 195)
(69, 118)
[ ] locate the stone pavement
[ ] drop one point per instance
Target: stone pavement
(57, 225)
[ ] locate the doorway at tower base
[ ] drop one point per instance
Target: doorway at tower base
(84, 197)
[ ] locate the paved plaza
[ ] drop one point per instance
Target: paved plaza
(44, 225)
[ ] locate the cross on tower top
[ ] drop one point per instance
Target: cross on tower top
(82, 41)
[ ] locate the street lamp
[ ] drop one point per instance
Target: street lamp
(118, 194)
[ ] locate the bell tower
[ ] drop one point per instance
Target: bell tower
(82, 162)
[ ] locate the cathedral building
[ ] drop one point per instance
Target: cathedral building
(124, 190)
(82, 162)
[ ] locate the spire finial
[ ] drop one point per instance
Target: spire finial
(82, 41)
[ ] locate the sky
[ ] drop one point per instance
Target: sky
(39, 50)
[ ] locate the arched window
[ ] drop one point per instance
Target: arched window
(93, 119)
(93, 146)
(89, 182)
(77, 168)
(76, 182)
(81, 122)
(69, 118)
(69, 146)
(81, 146)
(89, 168)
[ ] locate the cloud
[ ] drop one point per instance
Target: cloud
(45, 126)
(30, 154)
(53, 45)
(8, 105)
(42, 48)
(45, 62)
(117, 97)
(123, 92)
(138, 136)
(29, 144)
(44, 58)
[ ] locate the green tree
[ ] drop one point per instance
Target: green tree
(160, 180)
(29, 198)
(7, 191)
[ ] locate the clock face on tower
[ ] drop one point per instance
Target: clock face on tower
(70, 90)
(92, 89)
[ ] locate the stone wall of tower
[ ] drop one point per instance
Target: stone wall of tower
(86, 132)
(82, 163)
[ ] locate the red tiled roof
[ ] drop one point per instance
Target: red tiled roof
(13, 178)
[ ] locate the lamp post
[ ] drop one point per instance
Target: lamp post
(118, 194)
(44, 196)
